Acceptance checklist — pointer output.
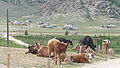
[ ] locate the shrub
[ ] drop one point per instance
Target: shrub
(26, 32)
(66, 32)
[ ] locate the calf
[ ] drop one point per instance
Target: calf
(56, 47)
(105, 46)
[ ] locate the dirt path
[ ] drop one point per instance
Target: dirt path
(112, 63)
(14, 39)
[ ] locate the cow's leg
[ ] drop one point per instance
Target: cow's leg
(107, 48)
(59, 59)
(49, 52)
(80, 49)
(103, 49)
(26, 52)
(55, 58)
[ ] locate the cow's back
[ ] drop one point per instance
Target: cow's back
(51, 45)
(79, 58)
(43, 51)
(88, 41)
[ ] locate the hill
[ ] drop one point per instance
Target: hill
(65, 11)
(19, 8)
(92, 8)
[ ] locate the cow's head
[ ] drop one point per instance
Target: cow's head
(89, 56)
(31, 49)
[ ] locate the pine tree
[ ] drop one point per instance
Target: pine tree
(26, 32)
(66, 32)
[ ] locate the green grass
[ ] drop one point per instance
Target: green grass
(3, 42)
(31, 39)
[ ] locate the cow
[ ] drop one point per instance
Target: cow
(31, 49)
(64, 40)
(105, 46)
(79, 58)
(56, 47)
(83, 49)
(39, 50)
(42, 51)
(87, 41)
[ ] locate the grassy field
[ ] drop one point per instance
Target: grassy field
(31, 39)
(30, 60)
(3, 42)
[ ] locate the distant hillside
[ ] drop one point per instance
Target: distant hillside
(92, 8)
(80, 9)
(18, 8)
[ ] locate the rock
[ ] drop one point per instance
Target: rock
(93, 8)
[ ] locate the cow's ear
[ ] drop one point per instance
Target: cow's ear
(36, 44)
(28, 46)
(70, 39)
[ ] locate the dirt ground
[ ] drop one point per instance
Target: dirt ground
(112, 63)
(18, 59)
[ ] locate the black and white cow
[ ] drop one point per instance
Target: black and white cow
(87, 40)
(65, 40)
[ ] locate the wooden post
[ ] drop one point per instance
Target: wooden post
(48, 63)
(7, 28)
(8, 61)
(8, 55)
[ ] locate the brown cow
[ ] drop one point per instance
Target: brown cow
(79, 58)
(33, 49)
(39, 50)
(56, 47)
(42, 51)
(83, 49)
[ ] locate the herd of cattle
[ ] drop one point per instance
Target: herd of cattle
(57, 47)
